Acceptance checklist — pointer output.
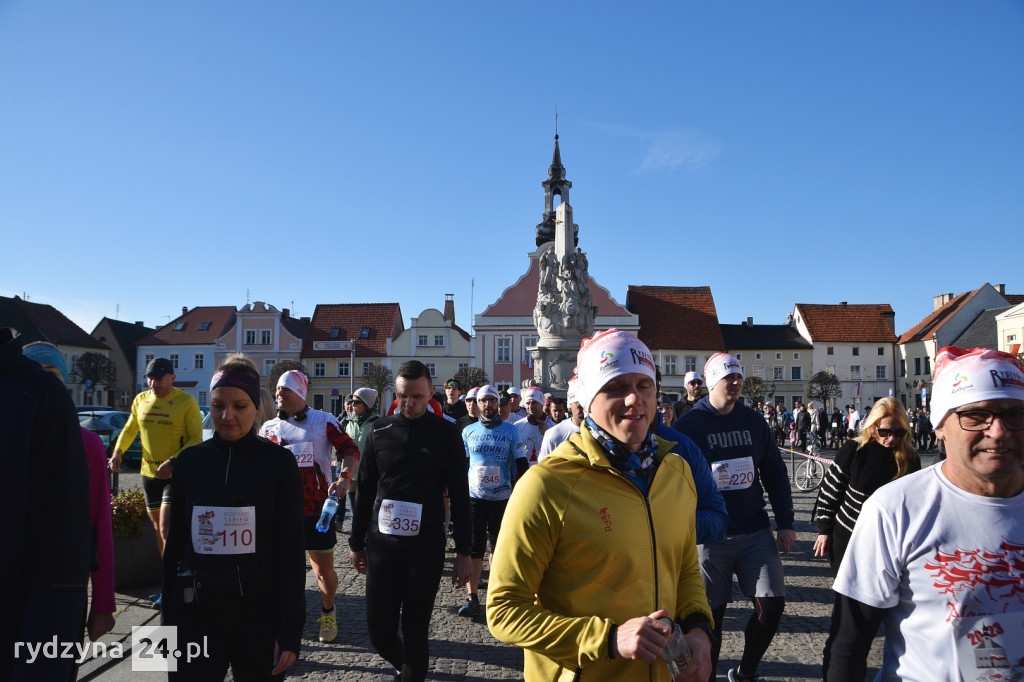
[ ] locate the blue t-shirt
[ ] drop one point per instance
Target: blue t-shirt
(492, 455)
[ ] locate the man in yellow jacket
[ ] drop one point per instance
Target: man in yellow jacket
(598, 540)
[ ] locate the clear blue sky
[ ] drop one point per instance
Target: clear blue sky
(155, 155)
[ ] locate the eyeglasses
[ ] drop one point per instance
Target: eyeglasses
(696, 383)
(979, 420)
(885, 433)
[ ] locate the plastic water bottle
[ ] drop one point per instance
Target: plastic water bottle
(330, 506)
(676, 653)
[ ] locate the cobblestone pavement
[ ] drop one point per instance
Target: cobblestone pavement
(462, 649)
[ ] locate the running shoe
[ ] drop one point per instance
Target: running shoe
(156, 600)
(471, 609)
(328, 627)
(734, 676)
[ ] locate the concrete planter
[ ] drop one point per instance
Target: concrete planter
(136, 561)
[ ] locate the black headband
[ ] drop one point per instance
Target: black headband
(242, 380)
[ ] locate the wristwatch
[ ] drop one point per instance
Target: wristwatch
(344, 474)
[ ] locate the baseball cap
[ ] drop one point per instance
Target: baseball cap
(159, 367)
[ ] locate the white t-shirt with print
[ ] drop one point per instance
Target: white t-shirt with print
(929, 552)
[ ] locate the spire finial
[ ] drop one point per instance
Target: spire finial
(556, 121)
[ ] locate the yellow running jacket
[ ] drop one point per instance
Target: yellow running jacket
(580, 549)
(168, 426)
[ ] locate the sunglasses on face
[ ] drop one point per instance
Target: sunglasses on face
(885, 433)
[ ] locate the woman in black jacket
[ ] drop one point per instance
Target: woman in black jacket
(881, 452)
(233, 567)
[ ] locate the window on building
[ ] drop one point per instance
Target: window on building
(759, 371)
(528, 343)
(854, 372)
(831, 369)
(503, 350)
(903, 367)
(334, 333)
(199, 360)
(463, 365)
(797, 399)
(881, 350)
(421, 339)
(250, 337)
(670, 365)
(438, 339)
(268, 365)
(690, 363)
(342, 368)
(796, 356)
(917, 365)
(1011, 338)
(125, 398)
(318, 401)
(364, 333)
(739, 356)
(265, 337)
(927, 365)
(149, 358)
(757, 356)
(881, 372)
(778, 356)
(179, 327)
(830, 350)
(368, 367)
(203, 326)
(74, 364)
(431, 368)
(174, 360)
(320, 369)
(503, 386)
(856, 350)
(779, 373)
(796, 373)
(201, 398)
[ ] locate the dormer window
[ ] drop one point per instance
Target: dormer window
(179, 327)
(203, 326)
(364, 333)
(335, 331)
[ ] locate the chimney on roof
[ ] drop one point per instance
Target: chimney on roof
(750, 322)
(789, 319)
(449, 308)
(184, 310)
(890, 319)
(285, 313)
(941, 300)
(140, 323)
(1001, 288)
(304, 319)
(842, 303)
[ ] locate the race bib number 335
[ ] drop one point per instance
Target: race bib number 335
(399, 518)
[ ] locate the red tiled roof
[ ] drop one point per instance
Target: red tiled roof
(847, 323)
(42, 322)
(519, 299)
(926, 328)
(384, 321)
(219, 319)
(676, 317)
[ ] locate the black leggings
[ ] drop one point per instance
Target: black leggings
(402, 583)
(757, 636)
(236, 634)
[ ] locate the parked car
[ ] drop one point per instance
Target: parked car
(108, 424)
(95, 408)
(207, 424)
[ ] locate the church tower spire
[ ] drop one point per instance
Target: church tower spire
(555, 185)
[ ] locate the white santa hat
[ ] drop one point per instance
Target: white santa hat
(970, 376)
(296, 381)
(719, 366)
(605, 356)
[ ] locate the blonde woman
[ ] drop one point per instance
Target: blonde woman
(883, 451)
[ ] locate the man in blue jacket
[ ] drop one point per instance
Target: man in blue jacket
(745, 462)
